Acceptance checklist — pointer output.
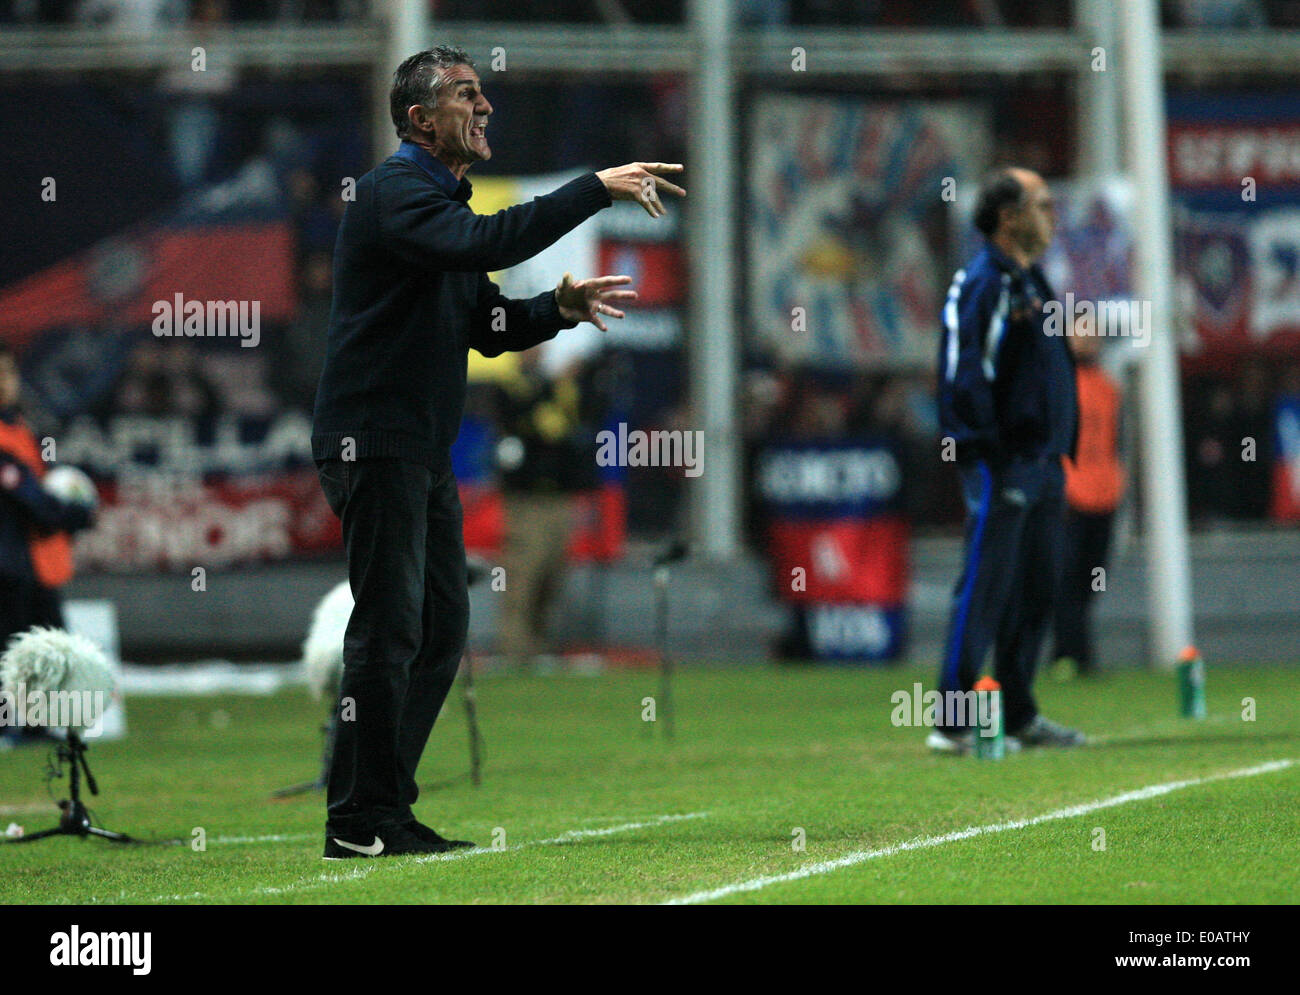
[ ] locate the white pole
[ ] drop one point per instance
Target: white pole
(406, 24)
(1163, 486)
(1097, 86)
(709, 180)
(1098, 126)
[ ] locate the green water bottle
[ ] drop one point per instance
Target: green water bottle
(1191, 683)
(990, 738)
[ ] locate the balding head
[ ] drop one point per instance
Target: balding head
(1016, 212)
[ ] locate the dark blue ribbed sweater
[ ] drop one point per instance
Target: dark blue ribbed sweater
(412, 296)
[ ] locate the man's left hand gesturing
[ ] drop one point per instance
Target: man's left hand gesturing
(588, 300)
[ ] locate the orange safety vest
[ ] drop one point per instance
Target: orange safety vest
(1094, 480)
(51, 552)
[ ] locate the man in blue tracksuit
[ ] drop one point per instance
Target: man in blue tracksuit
(1008, 412)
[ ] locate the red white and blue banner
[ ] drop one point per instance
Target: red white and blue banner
(1234, 169)
(1286, 466)
(196, 461)
(848, 227)
(179, 493)
(837, 545)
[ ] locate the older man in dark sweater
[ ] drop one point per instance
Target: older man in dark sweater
(411, 296)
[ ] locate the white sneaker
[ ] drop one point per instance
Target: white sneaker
(959, 745)
(963, 744)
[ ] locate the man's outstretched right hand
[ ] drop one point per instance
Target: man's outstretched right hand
(639, 181)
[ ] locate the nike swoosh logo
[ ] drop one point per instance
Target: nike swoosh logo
(373, 850)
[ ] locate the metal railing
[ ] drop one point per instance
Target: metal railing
(646, 50)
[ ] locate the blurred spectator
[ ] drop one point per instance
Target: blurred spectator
(1255, 416)
(317, 10)
(760, 399)
(546, 454)
(163, 378)
(899, 409)
(764, 13)
(1214, 452)
(1094, 484)
(829, 12)
(195, 93)
(1218, 14)
(954, 14)
(1285, 496)
(820, 413)
(315, 216)
(1284, 13)
(239, 379)
(299, 355)
(134, 17)
(565, 11)
(1230, 447)
(33, 12)
(763, 394)
(1288, 388)
(895, 407)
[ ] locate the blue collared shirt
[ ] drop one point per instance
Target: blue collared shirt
(443, 176)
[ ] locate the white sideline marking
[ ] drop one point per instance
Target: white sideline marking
(861, 856)
(336, 877)
(279, 838)
(366, 867)
(30, 808)
(567, 837)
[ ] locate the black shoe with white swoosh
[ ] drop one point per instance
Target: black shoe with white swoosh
(434, 838)
(392, 841)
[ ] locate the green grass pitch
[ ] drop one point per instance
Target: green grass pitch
(588, 803)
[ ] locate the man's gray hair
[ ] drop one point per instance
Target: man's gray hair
(418, 80)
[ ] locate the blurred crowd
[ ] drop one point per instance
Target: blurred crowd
(1230, 416)
(800, 405)
(135, 16)
(304, 136)
(142, 15)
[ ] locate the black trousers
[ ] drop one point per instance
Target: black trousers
(1007, 590)
(24, 603)
(1087, 544)
(402, 529)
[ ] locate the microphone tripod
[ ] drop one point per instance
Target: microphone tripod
(75, 818)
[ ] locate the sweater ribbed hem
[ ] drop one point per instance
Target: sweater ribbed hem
(375, 444)
(548, 312)
(592, 193)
